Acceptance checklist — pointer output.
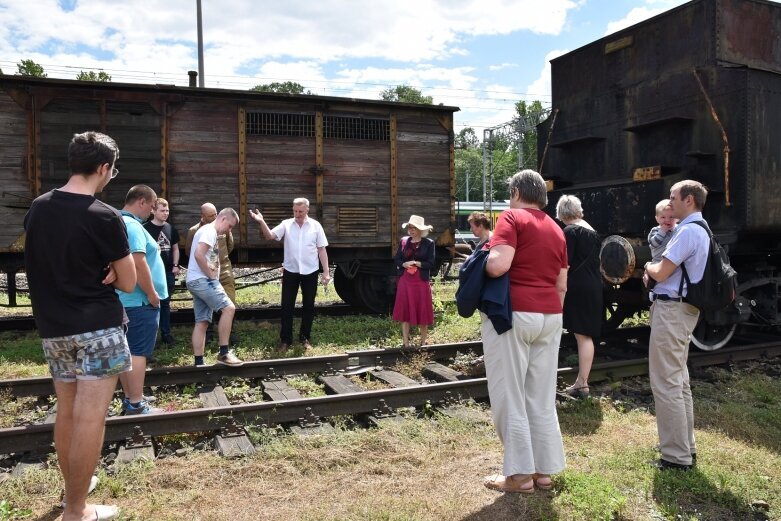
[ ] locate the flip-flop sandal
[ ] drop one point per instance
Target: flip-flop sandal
(500, 483)
(578, 392)
(105, 512)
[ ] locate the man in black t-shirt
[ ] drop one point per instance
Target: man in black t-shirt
(76, 253)
(168, 239)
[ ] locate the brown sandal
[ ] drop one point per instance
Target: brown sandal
(543, 481)
(508, 484)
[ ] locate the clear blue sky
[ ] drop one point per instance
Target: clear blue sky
(480, 55)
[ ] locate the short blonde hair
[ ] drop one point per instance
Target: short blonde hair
(661, 205)
(159, 202)
(569, 207)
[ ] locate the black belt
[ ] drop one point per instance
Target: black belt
(666, 298)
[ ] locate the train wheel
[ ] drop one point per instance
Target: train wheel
(345, 288)
(372, 293)
(709, 337)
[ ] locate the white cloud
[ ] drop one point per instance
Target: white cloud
(240, 32)
(501, 66)
(638, 14)
(540, 89)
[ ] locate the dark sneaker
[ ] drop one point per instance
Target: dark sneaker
(168, 339)
(128, 409)
(229, 359)
(663, 464)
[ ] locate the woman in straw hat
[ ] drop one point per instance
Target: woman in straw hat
(414, 261)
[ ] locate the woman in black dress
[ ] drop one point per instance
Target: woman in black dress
(583, 303)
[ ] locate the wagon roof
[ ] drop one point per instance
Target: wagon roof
(190, 92)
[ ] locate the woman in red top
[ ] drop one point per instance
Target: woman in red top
(521, 364)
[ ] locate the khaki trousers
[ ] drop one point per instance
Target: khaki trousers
(671, 326)
(229, 285)
(521, 368)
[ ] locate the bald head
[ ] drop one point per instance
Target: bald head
(208, 213)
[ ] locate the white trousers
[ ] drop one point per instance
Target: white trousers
(521, 368)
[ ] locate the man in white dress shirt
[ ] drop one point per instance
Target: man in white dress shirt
(305, 244)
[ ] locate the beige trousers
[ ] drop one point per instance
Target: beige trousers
(521, 368)
(671, 326)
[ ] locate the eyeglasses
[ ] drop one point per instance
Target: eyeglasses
(114, 172)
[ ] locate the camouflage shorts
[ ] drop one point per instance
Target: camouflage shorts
(88, 356)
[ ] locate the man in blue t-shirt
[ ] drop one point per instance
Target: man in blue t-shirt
(142, 305)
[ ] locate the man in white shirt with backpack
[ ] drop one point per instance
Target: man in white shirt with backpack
(672, 322)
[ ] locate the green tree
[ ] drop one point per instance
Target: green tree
(406, 94)
(285, 87)
(466, 138)
(469, 164)
(29, 68)
(93, 76)
(525, 121)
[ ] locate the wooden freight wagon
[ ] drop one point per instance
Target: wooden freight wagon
(364, 165)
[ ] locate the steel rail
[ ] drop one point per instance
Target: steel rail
(42, 386)
(39, 436)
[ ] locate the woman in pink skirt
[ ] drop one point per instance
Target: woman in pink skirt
(414, 262)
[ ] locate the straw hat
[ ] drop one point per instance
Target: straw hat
(418, 222)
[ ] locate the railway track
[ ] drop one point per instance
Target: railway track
(185, 316)
(286, 407)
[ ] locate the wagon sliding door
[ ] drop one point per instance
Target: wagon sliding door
(356, 183)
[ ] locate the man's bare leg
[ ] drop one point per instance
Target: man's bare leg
(199, 337)
(225, 324)
(87, 420)
(133, 380)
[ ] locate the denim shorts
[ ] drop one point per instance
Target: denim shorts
(142, 329)
(87, 356)
(208, 297)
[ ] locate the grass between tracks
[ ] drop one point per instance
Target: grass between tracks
(430, 467)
